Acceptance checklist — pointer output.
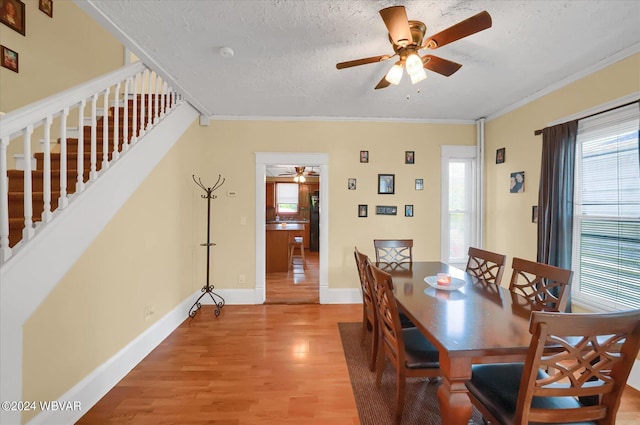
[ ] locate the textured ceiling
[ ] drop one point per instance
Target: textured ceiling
(286, 51)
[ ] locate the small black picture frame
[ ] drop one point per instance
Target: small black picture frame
(364, 156)
(534, 214)
(408, 210)
(500, 155)
(386, 184)
(409, 157)
(351, 184)
(386, 210)
(419, 184)
(363, 210)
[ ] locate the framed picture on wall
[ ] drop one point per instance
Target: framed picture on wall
(351, 184)
(386, 210)
(516, 183)
(534, 214)
(386, 184)
(500, 155)
(408, 210)
(409, 157)
(364, 156)
(419, 184)
(46, 6)
(12, 15)
(8, 59)
(362, 210)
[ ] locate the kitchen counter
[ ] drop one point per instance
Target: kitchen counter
(277, 244)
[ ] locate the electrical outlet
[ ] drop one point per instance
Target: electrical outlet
(241, 279)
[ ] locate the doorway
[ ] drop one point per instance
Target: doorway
(320, 162)
(292, 240)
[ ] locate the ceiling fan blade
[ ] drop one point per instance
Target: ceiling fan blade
(441, 66)
(395, 18)
(462, 29)
(364, 61)
(383, 83)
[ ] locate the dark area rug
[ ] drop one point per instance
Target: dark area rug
(376, 406)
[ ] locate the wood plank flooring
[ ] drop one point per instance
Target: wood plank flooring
(297, 286)
(258, 365)
(254, 365)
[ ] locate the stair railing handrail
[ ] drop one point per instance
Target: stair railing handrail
(145, 98)
(14, 121)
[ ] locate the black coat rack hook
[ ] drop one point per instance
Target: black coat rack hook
(208, 288)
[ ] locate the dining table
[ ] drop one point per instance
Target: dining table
(473, 323)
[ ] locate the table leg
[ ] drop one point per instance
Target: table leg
(453, 396)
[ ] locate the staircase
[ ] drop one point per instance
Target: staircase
(75, 148)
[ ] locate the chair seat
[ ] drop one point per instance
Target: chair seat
(496, 387)
(420, 353)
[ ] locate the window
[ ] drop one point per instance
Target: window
(458, 206)
(286, 198)
(606, 240)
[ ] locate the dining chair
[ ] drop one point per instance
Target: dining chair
(544, 287)
(369, 314)
(591, 356)
(393, 250)
(486, 266)
(410, 352)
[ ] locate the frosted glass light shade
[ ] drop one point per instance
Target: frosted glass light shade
(413, 64)
(418, 76)
(394, 75)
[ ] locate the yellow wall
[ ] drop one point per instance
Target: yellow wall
(509, 229)
(148, 255)
(56, 54)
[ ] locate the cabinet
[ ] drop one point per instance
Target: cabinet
(270, 193)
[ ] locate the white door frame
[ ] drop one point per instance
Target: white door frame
(291, 158)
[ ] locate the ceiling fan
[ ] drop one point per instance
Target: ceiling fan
(407, 39)
(300, 173)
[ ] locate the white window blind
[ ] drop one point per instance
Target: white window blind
(606, 244)
(287, 197)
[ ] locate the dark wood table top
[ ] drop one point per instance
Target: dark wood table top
(475, 320)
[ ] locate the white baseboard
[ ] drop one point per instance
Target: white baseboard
(94, 386)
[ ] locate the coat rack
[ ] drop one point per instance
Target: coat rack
(208, 288)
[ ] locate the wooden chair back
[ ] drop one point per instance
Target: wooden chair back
(393, 250)
(598, 352)
(486, 266)
(369, 309)
(390, 328)
(545, 287)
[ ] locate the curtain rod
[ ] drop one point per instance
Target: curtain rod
(539, 132)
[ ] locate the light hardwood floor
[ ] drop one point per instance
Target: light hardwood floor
(297, 286)
(253, 365)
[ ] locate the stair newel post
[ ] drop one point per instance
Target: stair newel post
(94, 137)
(46, 177)
(208, 288)
(105, 129)
(80, 160)
(63, 201)
(27, 232)
(5, 251)
(116, 123)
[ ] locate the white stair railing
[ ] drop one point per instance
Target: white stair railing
(127, 103)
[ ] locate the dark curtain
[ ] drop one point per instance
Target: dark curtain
(555, 199)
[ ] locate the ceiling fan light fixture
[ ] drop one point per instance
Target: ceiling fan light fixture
(299, 179)
(413, 64)
(418, 76)
(394, 75)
